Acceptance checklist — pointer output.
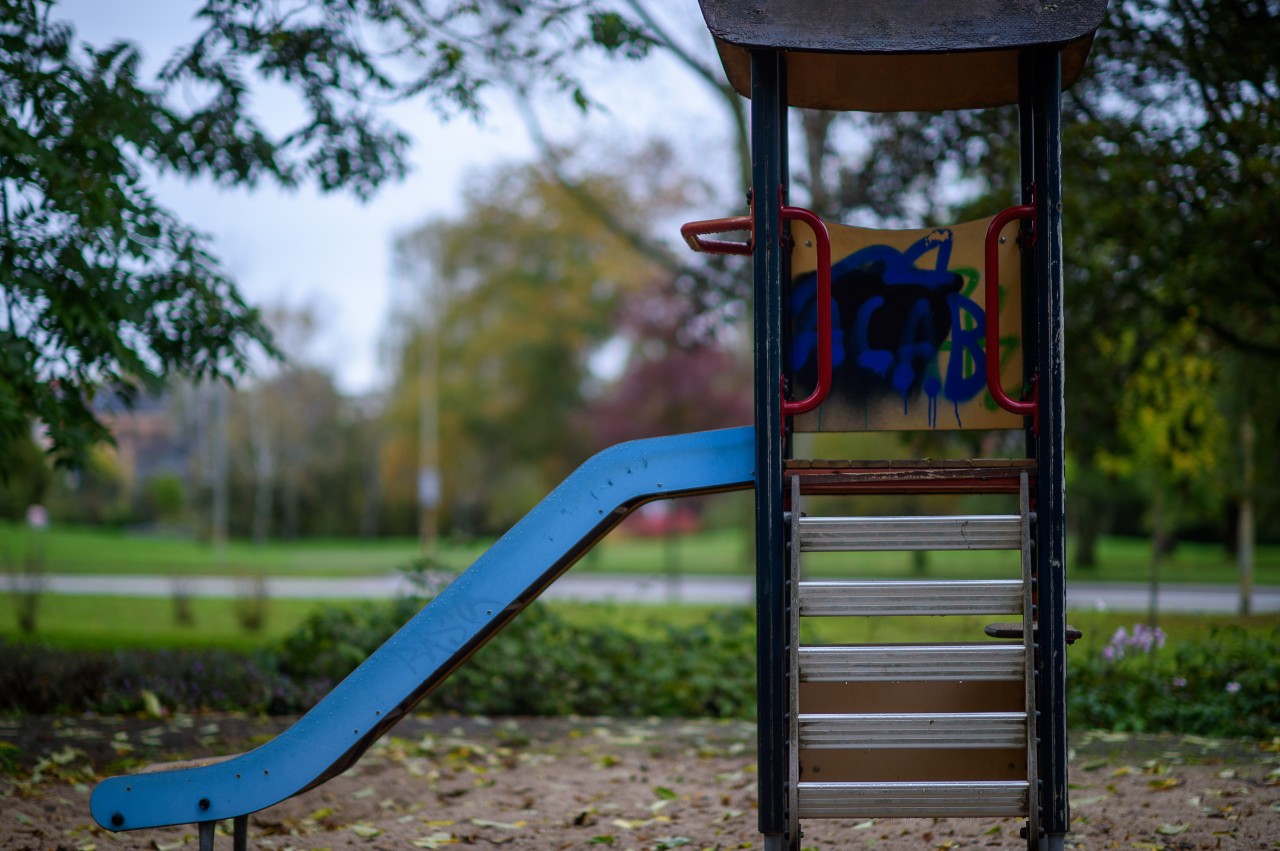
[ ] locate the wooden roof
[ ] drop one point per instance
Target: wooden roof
(888, 55)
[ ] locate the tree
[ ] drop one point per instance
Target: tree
(25, 481)
(1172, 163)
(1171, 432)
(630, 30)
(527, 283)
(675, 376)
(101, 287)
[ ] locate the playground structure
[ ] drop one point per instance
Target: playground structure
(869, 326)
(854, 330)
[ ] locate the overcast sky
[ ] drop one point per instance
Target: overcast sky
(334, 253)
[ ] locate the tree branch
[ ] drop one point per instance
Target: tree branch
(721, 87)
(641, 243)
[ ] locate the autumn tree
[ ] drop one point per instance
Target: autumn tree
(526, 284)
(675, 375)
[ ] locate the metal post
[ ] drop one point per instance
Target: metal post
(768, 133)
(206, 831)
(1027, 179)
(240, 836)
(1046, 85)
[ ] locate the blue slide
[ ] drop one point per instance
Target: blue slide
(514, 571)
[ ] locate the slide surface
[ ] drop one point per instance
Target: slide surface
(518, 567)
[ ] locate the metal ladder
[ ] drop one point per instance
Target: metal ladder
(915, 730)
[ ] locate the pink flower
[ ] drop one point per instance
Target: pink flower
(1233, 687)
(1179, 682)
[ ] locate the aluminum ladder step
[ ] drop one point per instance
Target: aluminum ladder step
(867, 534)
(910, 597)
(914, 730)
(913, 800)
(917, 662)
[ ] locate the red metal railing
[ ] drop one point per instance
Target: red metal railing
(1026, 408)
(693, 233)
(822, 241)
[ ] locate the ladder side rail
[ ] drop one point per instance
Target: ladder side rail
(794, 670)
(1029, 661)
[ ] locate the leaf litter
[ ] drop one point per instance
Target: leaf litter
(645, 785)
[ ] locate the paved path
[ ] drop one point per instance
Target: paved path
(632, 589)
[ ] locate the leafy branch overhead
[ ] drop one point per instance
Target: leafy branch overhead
(102, 286)
(104, 289)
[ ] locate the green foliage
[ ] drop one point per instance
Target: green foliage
(39, 680)
(101, 286)
(615, 34)
(543, 664)
(1215, 682)
(1221, 686)
(1171, 190)
(104, 288)
(164, 498)
(300, 458)
(333, 640)
(517, 294)
(95, 493)
(24, 475)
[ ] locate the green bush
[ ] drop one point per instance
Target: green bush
(40, 680)
(542, 664)
(1223, 686)
(333, 640)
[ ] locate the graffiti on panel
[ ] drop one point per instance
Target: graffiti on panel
(908, 330)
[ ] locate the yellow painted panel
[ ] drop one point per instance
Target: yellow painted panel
(908, 328)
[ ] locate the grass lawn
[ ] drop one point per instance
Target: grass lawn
(105, 623)
(108, 623)
(713, 552)
(88, 549)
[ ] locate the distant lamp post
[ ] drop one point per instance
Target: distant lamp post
(430, 490)
(428, 506)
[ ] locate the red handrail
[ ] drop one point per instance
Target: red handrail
(992, 290)
(823, 245)
(693, 231)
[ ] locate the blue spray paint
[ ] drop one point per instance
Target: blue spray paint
(891, 319)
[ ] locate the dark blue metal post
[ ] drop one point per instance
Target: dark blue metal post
(1045, 81)
(1027, 179)
(768, 142)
